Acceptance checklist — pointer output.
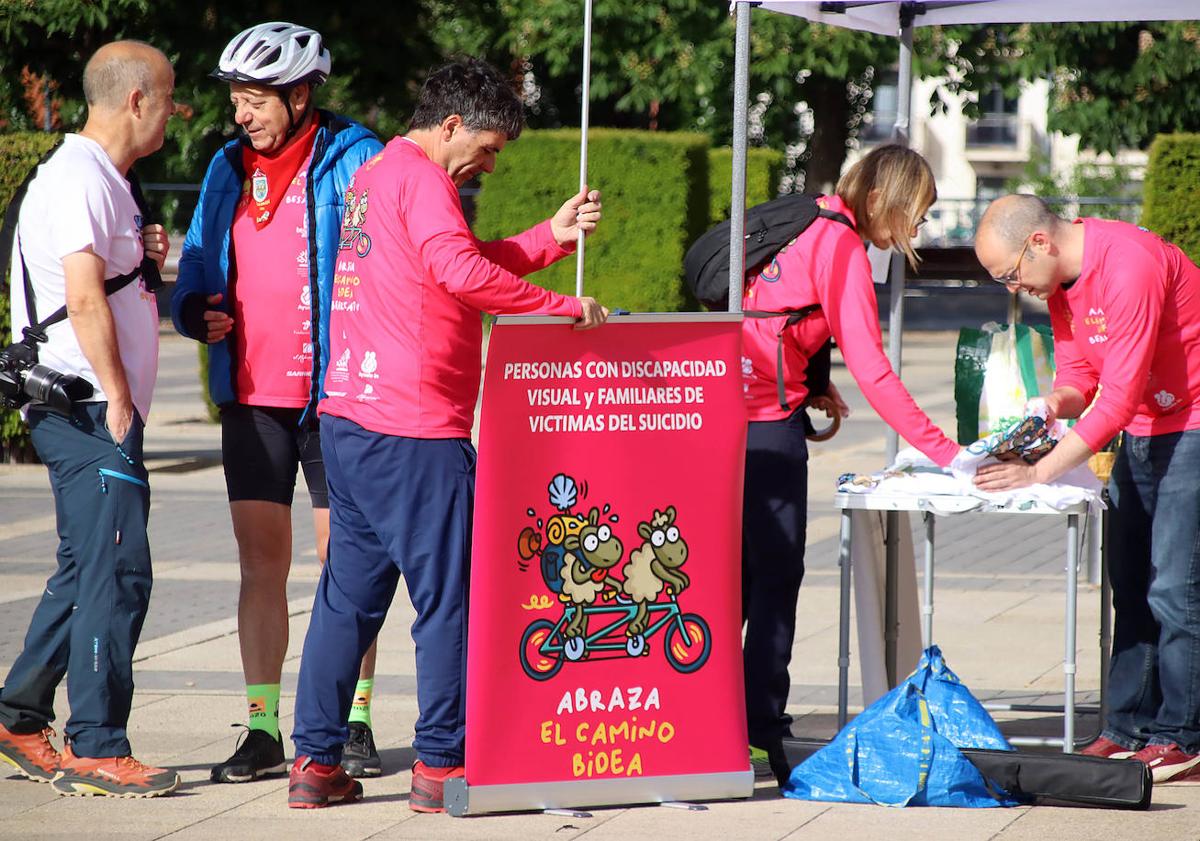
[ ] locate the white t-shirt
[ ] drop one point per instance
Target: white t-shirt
(80, 199)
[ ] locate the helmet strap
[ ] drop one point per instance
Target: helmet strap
(294, 122)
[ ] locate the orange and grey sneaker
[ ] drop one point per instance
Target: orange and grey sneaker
(30, 755)
(111, 776)
(314, 786)
(427, 787)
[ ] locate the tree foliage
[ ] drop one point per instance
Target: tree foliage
(656, 64)
(380, 54)
(669, 65)
(1116, 85)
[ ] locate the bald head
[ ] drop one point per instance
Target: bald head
(1012, 219)
(118, 68)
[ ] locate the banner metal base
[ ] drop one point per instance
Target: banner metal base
(461, 798)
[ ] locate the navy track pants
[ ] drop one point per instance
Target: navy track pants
(396, 506)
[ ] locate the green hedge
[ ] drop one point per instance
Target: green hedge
(656, 202)
(1171, 207)
(763, 170)
(18, 153)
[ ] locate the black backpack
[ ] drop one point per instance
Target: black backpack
(769, 227)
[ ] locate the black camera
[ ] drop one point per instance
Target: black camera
(23, 379)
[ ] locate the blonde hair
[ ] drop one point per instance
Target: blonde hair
(905, 188)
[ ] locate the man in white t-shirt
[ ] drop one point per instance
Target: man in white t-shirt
(78, 227)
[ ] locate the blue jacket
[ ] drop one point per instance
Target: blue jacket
(341, 146)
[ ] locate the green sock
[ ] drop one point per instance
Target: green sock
(263, 700)
(360, 710)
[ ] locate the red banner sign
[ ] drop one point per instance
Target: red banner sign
(605, 639)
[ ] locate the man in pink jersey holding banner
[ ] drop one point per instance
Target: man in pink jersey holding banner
(1125, 308)
(405, 339)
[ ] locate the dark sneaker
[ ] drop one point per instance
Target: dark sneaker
(760, 763)
(256, 756)
(770, 763)
(1166, 762)
(427, 785)
(359, 757)
(1108, 749)
(313, 785)
(111, 776)
(30, 755)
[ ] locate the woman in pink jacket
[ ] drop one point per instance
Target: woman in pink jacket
(884, 198)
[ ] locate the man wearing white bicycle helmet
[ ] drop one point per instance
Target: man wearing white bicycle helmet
(255, 285)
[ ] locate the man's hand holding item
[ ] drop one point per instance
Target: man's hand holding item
(156, 243)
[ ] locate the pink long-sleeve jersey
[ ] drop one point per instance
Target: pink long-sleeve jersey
(827, 265)
(1131, 325)
(405, 332)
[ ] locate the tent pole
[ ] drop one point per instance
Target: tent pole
(893, 521)
(900, 135)
(583, 133)
(737, 206)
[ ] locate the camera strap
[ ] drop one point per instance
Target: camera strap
(36, 331)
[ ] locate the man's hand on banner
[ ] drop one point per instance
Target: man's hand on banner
(593, 314)
(581, 212)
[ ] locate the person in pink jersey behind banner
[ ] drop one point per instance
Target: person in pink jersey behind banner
(1125, 309)
(881, 199)
(406, 335)
(254, 284)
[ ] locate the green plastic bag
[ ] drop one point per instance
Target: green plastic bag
(996, 370)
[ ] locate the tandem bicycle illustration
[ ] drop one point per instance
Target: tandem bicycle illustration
(607, 617)
(686, 641)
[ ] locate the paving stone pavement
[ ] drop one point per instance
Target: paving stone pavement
(999, 620)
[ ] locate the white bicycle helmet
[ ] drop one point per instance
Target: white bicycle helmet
(277, 54)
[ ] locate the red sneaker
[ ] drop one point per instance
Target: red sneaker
(1167, 762)
(1107, 749)
(1190, 777)
(314, 786)
(427, 786)
(31, 755)
(112, 776)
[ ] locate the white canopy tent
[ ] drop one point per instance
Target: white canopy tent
(898, 17)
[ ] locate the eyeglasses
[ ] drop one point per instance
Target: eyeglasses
(1014, 274)
(921, 222)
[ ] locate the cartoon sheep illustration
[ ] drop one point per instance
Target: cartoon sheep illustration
(590, 555)
(653, 565)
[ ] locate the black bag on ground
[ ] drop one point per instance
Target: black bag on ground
(1045, 778)
(1068, 778)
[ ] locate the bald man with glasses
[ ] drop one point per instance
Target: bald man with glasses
(1125, 309)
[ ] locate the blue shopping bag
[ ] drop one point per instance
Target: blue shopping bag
(903, 750)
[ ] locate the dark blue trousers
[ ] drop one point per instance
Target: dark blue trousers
(396, 506)
(1154, 566)
(774, 524)
(90, 617)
